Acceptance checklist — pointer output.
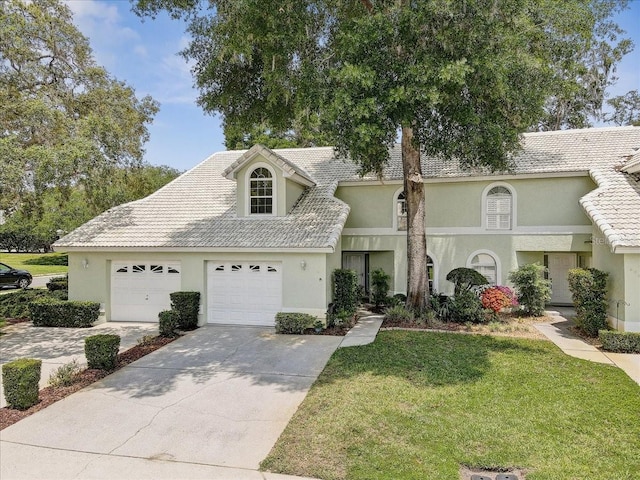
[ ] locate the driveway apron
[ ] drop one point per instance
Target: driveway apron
(219, 397)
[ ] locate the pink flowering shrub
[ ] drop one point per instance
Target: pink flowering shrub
(498, 297)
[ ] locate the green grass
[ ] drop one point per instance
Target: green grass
(16, 260)
(418, 405)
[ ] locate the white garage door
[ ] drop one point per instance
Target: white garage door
(140, 290)
(244, 293)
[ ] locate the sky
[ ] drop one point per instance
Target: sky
(144, 54)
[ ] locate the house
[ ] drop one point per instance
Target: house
(260, 231)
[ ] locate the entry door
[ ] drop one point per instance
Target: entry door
(358, 263)
(559, 266)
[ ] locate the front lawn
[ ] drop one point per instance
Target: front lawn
(16, 260)
(419, 405)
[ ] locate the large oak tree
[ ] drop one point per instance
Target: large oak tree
(66, 125)
(459, 80)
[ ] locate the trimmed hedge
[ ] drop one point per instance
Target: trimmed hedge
(293, 323)
(533, 290)
(168, 321)
(589, 292)
(186, 304)
(62, 259)
(16, 304)
(620, 342)
(102, 351)
(345, 293)
(58, 283)
(20, 379)
(48, 312)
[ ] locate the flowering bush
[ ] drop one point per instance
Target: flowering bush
(498, 297)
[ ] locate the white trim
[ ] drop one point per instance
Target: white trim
(495, 258)
(624, 250)
(395, 209)
(514, 203)
(445, 231)
(274, 191)
(160, 249)
(470, 178)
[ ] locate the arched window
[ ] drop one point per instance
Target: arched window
(261, 192)
(487, 264)
(430, 273)
(400, 211)
(499, 208)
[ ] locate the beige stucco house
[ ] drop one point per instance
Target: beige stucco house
(260, 231)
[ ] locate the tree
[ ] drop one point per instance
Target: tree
(584, 70)
(459, 80)
(64, 121)
(626, 109)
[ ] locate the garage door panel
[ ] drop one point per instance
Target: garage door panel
(140, 290)
(244, 293)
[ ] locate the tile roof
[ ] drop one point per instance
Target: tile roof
(198, 209)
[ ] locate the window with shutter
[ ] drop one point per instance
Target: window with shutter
(499, 209)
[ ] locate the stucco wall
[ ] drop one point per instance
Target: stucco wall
(303, 290)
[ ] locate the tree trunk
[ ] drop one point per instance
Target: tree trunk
(417, 280)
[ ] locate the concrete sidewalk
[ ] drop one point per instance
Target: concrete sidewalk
(559, 333)
(364, 332)
(209, 405)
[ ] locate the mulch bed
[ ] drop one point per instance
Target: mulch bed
(49, 395)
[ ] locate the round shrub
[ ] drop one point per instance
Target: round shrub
(465, 307)
(20, 379)
(498, 297)
(534, 291)
(168, 323)
(102, 351)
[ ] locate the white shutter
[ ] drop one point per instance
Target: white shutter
(499, 212)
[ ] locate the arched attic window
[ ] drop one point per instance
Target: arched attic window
(261, 192)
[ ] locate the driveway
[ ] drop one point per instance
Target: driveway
(209, 405)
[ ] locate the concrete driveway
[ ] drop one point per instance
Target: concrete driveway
(57, 346)
(209, 405)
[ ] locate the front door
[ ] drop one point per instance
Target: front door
(356, 262)
(559, 265)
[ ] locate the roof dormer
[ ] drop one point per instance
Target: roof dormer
(267, 183)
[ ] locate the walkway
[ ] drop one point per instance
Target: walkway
(559, 333)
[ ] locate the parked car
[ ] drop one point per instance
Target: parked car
(13, 277)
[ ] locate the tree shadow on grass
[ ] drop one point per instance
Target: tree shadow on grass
(426, 358)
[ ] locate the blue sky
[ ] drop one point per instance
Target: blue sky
(144, 55)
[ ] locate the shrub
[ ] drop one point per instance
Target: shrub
(187, 305)
(65, 375)
(20, 379)
(465, 307)
(58, 283)
(60, 295)
(62, 259)
(379, 286)
(168, 323)
(294, 323)
(534, 291)
(465, 279)
(102, 351)
(49, 312)
(497, 298)
(621, 342)
(589, 292)
(345, 293)
(398, 314)
(16, 304)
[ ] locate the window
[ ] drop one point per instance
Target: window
(486, 263)
(156, 268)
(400, 211)
(139, 268)
(122, 270)
(430, 273)
(236, 268)
(499, 208)
(261, 192)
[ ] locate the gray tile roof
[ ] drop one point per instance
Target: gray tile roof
(198, 209)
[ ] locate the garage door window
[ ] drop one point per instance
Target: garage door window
(139, 268)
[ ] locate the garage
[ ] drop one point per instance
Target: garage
(140, 290)
(244, 293)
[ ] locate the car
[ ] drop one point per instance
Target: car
(13, 277)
